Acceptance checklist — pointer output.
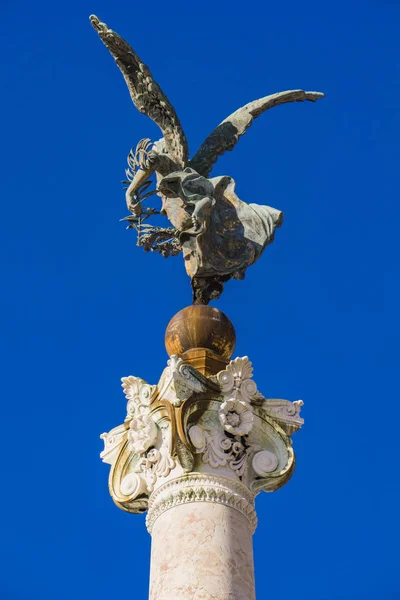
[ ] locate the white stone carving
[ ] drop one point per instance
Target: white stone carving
(219, 450)
(219, 426)
(156, 463)
(286, 413)
(142, 433)
(239, 390)
(215, 449)
(238, 376)
(198, 438)
(200, 487)
(146, 457)
(236, 416)
(138, 393)
(264, 462)
(180, 380)
(132, 485)
(112, 443)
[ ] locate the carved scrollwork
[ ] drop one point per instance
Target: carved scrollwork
(127, 488)
(138, 450)
(156, 463)
(286, 413)
(112, 443)
(180, 381)
(220, 450)
(264, 462)
(196, 425)
(132, 485)
(138, 393)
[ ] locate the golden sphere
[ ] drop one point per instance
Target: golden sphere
(200, 326)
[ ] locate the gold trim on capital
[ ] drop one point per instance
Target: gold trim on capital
(193, 438)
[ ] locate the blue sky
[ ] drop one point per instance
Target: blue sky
(82, 306)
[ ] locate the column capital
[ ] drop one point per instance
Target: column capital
(199, 438)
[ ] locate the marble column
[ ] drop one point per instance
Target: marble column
(194, 451)
(202, 550)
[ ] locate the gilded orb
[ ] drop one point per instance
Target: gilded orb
(200, 327)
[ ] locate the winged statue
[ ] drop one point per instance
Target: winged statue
(218, 234)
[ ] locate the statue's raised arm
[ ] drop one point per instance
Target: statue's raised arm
(218, 234)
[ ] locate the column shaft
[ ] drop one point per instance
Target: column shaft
(202, 551)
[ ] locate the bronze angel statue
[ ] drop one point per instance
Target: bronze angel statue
(218, 234)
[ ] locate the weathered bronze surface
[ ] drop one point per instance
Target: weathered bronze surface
(219, 234)
(201, 327)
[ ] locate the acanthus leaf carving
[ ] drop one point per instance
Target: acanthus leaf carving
(241, 368)
(237, 377)
(156, 463)
(138, 450)
(219, 450)
(214, 453)
(191, 423)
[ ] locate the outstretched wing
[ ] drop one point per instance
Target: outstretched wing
(225, 136)
(146, 94)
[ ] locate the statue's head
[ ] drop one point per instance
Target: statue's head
(187, 185)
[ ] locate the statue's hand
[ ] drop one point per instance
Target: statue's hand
(135, 208)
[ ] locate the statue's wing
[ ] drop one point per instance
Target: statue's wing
(146, 94)
(225, 136)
